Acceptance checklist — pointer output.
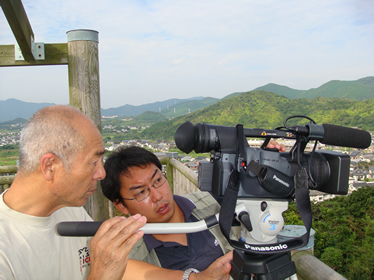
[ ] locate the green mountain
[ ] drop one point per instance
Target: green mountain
(282, 90)
(358, 90)
(145, 119)
(131, 110)
(263, 109)
(11, 109)
(15, 121)
(361, 89)
(187, 107)
(150, 117)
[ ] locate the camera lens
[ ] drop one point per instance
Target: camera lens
(202, 138)
(185, 137)
(319, 169)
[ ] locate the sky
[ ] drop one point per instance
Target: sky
(156, 50)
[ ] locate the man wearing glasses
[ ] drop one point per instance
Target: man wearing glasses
(135, 184)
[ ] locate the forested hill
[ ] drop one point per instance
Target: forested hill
(262, 109)
(344, 238)
(357, 90)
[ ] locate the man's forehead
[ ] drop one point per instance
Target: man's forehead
(94, 147)
(148, 170)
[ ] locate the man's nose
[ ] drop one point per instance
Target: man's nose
(155, 194)
(100, 173)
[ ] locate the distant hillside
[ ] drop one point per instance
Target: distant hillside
(188, 107)
(150, 117)
(262, 109)
(131, 110)
(147, 118)
(362, 89)
(358, 90)
(11, 109)
(15, 121)
(282, 90)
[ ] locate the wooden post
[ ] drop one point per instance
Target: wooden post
(84, 94)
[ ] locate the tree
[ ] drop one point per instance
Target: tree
(344, 238)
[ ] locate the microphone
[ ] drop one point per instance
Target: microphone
(335, 135)
(346, 137)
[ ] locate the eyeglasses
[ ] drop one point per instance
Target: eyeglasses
(144, 193)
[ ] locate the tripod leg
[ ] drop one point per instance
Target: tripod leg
(263, 267)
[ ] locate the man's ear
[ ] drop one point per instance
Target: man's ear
(48, 164)
(121, 207)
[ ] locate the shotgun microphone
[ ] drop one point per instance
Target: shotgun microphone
(346, 137)
(335, 135)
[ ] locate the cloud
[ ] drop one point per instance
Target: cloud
(156, 50)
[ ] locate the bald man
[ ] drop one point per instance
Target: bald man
(60, 163)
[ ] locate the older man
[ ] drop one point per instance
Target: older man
(60, 162)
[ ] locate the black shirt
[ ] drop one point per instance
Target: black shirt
(202, 249)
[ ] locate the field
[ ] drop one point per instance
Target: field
(8, 155)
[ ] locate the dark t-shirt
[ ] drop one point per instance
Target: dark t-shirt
(202, 249)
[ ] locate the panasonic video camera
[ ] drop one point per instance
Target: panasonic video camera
(268, 173)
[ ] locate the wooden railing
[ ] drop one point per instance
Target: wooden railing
(184, 181)
(6, 180)
(181, 178)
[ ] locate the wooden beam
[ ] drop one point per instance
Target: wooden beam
(55, 54)
(309, 268)
(8, 169)
(20, 25)
(84, 94)
(7, 180)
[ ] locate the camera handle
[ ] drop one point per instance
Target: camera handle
(89, 228)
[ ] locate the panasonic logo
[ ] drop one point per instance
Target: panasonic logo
(279, 247)
(281, 181)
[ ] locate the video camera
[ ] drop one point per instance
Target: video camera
(328, 171)
(264, 180)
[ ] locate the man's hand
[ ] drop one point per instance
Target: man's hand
(110, 247)
(274, 144)
(218, 270)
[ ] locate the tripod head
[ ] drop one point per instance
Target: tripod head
(262, 219)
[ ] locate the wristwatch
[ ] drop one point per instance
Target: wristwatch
(187, 273)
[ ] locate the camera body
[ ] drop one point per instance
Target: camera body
(328, 171)
(333, 173)
(261, 182)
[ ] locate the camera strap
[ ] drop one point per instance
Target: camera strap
(228, 205)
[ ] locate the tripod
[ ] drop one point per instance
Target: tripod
(262, 267)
